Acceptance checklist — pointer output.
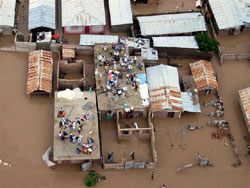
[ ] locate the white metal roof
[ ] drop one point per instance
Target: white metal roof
(245, 10)
(227, 13)
(190, 102)
(83, 12)
(176, 42)
(42, 14)
(7, 12)
(90, 40)
(120, 12)
(172, 23)
(164, 88)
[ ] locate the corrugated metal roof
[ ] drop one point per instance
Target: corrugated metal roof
(68, 51)
(164, 89)
(190, 102)
(172, 23)
(7, 12)
(245, 104)
(83, 12)
(227, 13)
(120, 12)
(40, 71)
(245, 10)
(204, 75)
(90, 40)
(176, 42)
(42, 14)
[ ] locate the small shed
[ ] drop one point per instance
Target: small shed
(40, 71)
(204, 76)
(120, 15)
(245, 105)
(68, 52)
(150, 56)
(83, 16)
(226, 16)
(164, 91)
(172, 24)
(7, 16)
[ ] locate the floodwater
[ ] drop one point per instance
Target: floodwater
(27, 131)
(236, 44)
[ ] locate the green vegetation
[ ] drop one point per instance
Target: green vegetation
(206, 43)
(91, 179)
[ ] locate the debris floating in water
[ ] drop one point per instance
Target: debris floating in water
(5, 163)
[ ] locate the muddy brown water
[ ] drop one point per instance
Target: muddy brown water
(27, 131)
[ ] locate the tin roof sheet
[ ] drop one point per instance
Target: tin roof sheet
(190, 102)
(176, 42)
(204, 75)
(7, 12)
(245, 104)
(68, 51)
(245, 10)
(172, 23)
(164, 89)
(226, 13)
(120, 12)
(42, 14)
(90, 40)
(83, 13)
(40, 71)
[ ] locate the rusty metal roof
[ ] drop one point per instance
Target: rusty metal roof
(204, 75)
(245, 104)
(164, 89)
(68, 51)
(40, 71)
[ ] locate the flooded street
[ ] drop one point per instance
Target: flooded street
(27, 131)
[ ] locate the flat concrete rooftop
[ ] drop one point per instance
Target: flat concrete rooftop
(132, 98)
(75, 108)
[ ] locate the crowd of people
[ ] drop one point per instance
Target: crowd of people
(71, 131)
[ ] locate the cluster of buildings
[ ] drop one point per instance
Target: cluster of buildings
(130, 83)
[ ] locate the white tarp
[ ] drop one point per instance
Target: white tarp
(46, 158)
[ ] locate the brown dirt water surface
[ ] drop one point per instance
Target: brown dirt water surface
(27, 131)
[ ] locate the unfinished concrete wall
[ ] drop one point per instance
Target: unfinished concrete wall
(85, 50)
(64, 68)
(22, 46)
(234, 56)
